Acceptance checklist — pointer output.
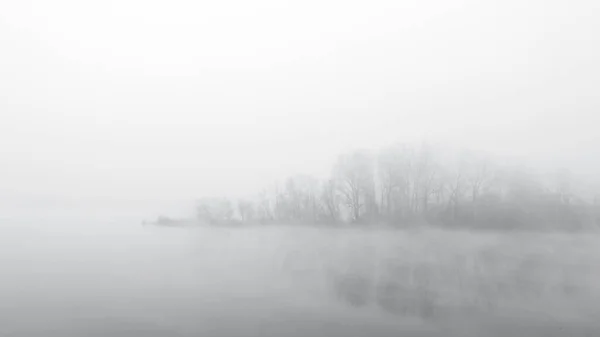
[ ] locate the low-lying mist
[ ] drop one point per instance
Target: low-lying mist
(118, 278)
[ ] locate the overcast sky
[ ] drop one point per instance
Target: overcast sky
(178, 99)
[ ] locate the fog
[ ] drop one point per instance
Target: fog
(99, 277)
(329, 168)
(106, 277)
(141, 100)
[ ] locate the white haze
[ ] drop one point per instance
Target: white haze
(118, 110)
(145, 101)
(105, 277)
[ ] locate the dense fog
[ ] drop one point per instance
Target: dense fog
(310, 168)
(98, 276)
(111, 277)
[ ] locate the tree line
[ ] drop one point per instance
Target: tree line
(404, 185)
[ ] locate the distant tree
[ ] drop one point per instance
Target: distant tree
(354, 174)
(263, 209)
(563, 185)
(413, 183)
(214, 210)
(456, 185)
(426, 172)
(480, 178)
(393, 167)
(330, 199)
(246, 210)
(297, 201)
(309, 190)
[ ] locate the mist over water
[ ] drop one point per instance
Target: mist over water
(110, 276)
(94, 277)
(309, 168)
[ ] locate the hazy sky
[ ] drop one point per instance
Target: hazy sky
(177, 99)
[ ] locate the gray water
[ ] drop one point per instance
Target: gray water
(72, 276)
(101, 276)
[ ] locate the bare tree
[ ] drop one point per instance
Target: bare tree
(264, 209)
(330, 199)
(214, 210)
(246, 210)
(354, 172)
(419, 181)
(309, 186)
(426, 171)
(480, 177)
(456, 184)
(564, 186)
(393, 169)
(298, 200)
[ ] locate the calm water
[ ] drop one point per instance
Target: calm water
(77, 276)
(93, 276)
